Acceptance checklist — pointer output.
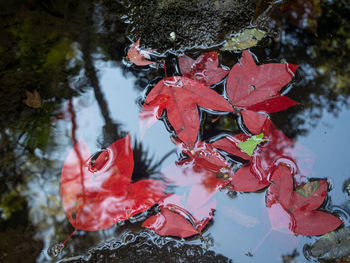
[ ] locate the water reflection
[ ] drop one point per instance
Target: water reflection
(97, 193)
(51, 47)
(190, 205)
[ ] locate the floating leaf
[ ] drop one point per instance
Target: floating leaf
(304, 218)
(274, 104)
(181, 96)
(245, 180)
(254, 121)
(206, 156)
(249, 145)
(33, 99)
(229, 144)
(249, 84)
(256, 89)
(247, 38)
(139, 56)
(170, 223)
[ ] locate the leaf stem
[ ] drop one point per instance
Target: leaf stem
(166, 75)
(261, 241)
(70, 236)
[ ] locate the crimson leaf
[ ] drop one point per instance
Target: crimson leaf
(249, 84)
(181, 96)
(139, 56)
(204, 69)
(304, 218)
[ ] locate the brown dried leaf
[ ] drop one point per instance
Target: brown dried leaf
(33, 99)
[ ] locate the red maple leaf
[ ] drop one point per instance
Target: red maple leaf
(97, 194)
(254, 121)
(188, 210)
(249, 84)
(204, 69)
(139, 56)
(299, 205)
(274, 104)
(170, 222)
(256, 172)
(257, 88)
(181, 96)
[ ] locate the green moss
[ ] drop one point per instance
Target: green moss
(10, 203)
(59, 53)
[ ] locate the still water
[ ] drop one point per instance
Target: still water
(74, 56)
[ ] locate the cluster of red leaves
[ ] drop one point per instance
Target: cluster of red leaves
(256, 173)
(253, 91)
(98, 193)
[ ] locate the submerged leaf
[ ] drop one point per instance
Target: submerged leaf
(204, 69)
(243, 40)
(261, 7)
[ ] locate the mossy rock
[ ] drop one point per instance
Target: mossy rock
(196, 23)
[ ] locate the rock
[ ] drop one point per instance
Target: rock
(198, 23)
(147, 247)
(332, 246)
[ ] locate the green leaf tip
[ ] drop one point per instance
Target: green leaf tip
(308, 189)
(250, 145)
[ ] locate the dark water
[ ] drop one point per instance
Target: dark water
(73, 53)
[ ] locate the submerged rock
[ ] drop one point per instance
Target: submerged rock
(332, 246)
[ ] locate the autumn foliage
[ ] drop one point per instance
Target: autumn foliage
(98, 193)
